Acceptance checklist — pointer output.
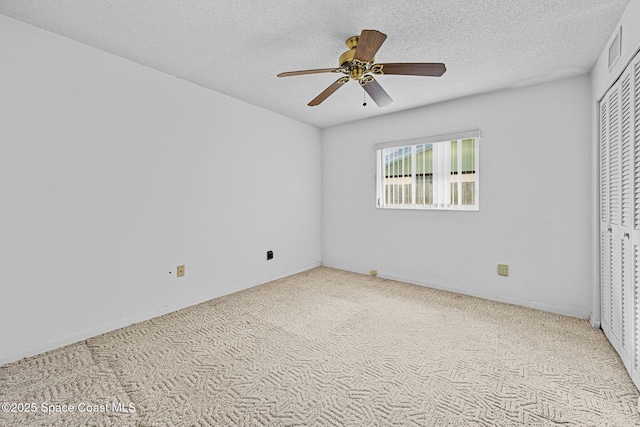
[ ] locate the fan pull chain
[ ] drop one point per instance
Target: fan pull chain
(364, 100)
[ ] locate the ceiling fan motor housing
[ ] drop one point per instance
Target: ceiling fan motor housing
(356, 69)
(347, 57)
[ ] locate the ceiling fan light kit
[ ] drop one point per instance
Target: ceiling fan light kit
(358, 63)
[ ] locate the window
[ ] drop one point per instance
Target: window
(438, 172)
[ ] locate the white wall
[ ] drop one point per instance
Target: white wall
(111, 174)
(602, 78)
(535, 200)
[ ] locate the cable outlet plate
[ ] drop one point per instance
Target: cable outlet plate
(180, 271)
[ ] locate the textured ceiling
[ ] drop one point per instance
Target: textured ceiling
(237, 47)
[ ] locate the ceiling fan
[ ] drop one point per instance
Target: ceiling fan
(358, 63)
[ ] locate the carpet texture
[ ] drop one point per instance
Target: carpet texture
(332, 348)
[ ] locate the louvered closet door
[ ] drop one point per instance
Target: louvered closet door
(614, 217)
(634, 136)
(627, 303)
(620, 216)
(605, 228)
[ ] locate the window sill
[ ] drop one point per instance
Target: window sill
(416, 208)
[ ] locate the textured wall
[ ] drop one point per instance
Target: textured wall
(111, 174)
(534, 200)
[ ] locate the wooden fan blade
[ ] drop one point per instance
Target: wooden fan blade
(328, 91)
(376, 92)
(368, 44)
(318, 71)
(433, 69)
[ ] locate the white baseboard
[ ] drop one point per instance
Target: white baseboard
(139, 317)
(567, 311)
(351, 269)
(594, 323)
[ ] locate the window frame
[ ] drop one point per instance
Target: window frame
(411, 144)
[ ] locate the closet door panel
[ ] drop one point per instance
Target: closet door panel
(627, 303)
(614, 154)
(635, 371)
(634, 114)
(626, 219)
(605, 229)
(605, 278)
(615, 320)
(614, 226)
(626, 152)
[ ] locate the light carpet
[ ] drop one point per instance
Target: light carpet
(333, 348)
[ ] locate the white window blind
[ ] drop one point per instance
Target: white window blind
(436, 172)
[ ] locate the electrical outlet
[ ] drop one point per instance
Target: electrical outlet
(503, 270)
(180, 271)
(269, 255)
(373, 272)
